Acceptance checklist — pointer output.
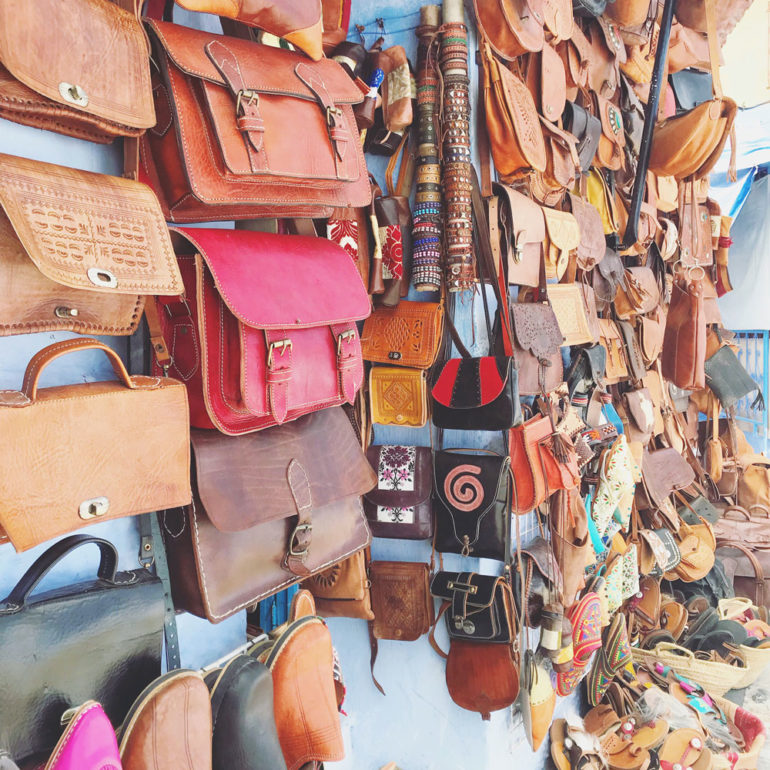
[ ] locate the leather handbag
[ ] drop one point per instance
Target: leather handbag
(480, 607)
(80, 250)
(287, 507)
(301, 661)
(606, 279)
(691, 87)
(586, 128)
(90, 96)
(695, 235)
(650, 330)
(572, 314)
(244, 730)
(547, 80)
(471, 501)
(591, 249)
(88, 741)
(398, 396)
(684, 342)
(639, 295)
(558, 19)
(408, 334)
(727, 377)
(611, 339)
(562, 239)
(253, 348)
(401, 600)
(689, 145)
(515, 136)
(510, 28)
(521, 228)
(400, 505)
(663, 471)
(562, 166)
(747, 572)
(233, 115)
(299, 22)
(342, 590)
(117, 618)
(537, 343)
(394, 226)
(169, 723)
(100, 476)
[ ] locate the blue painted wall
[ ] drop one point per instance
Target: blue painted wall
(416, 724)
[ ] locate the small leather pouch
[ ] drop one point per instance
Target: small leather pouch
(342, 590)
(406, 335)
(480, 606)
(537, 342)
(80, 250)
(90, 95)
(640, 294)
(401, 600)
(521, 234)
(562, 238)
(398, 396)
(586, 128)
(611, 340)
(400, 505)
(569, 306)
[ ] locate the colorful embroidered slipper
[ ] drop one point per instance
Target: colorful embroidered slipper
(585, 616)
(615, 655)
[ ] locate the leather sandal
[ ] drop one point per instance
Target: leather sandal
(573, 748)
(682, 750)
(673, 618)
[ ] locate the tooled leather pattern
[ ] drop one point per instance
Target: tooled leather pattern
(526, 124)
(537, 329)
(401, 610)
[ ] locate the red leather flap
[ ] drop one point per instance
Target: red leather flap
(244, 481)
(263, 68)
(273, 281)
(469, 383)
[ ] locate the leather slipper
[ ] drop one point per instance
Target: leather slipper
(735, 629)
(614, 655)
(673, 618)
(715, 641)
(682, 749)
(650, 641)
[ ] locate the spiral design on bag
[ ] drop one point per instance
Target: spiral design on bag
(463, 488)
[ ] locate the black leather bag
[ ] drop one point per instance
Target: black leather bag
(586, 128)
(477, 394)
(472, 504)
(245, 735)
(589, 7)
(99, 640)
(480, 607)
(691, 87)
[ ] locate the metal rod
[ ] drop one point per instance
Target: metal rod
(650, 118)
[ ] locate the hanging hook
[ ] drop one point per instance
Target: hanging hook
(360, 29)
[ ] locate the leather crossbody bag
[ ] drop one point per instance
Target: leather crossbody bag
(108, 636)
(98, 94)
(80, 250)
(684, 341)
(510, 29)
(267, 331)
(288, 506)
(400, 505)
(342, 590)
(472, 503)
(728, 379)
(249, 130)
(401, 600)
(101, 475)
(398, 396)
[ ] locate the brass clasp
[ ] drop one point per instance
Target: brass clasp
(250, 96)
(346, 336)
(331, 114)
(280, 345)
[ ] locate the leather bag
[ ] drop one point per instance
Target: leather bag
(342, 590)
(169, 725)
(562, 239)
(304, 700)
(398, 396)
(515, 136)
(663, 471)
(689, 145)
(300, 22)
(590, 250)
(586, 128)
(90, 95)
(611, 339)
(727, 377)
(249, 130)
(288, 506)
(511, 27)
(547, 82)
(606, 279)
(569, 305)
(521, 228)
(694, 14)
(406, 335)
(80, 250)
(640, 294)
(99, 476)
(400, 505)
(245, 734)
(684, 342)
(472, 504)
(254, 348)
(117, 618)
(695, 235)
(537, 343)
(401, 600)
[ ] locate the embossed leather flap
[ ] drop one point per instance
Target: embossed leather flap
(89, 231)
(562, 228)
(398, 396)
(536, 328)
(590, 250)
(251, 273)
(483, 588)
(468, 383)
(246, 481)
(571, 314)
(87, 55)
(404, 475)
(408, 334)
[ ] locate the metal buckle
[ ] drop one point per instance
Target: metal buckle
(331, 113)
(465, 587)
(250, 96)
(346, 336)
(297, 530)
(283, 345)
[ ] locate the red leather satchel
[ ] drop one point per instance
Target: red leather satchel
(267, 332)
(247, 130)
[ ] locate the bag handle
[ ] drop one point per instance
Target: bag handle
(108, 566)
(44, 357)
(759, 575)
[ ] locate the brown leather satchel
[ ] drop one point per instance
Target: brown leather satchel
(684, 342)
(640, 294)
(342, 590)
(611, 339)
(408, 334)
(512, 27)
(288, 506)
(78, 68)
(79, 250)
(515, 136)
(92, 471)
(249, 130)
(401, 600)
(300, 22)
